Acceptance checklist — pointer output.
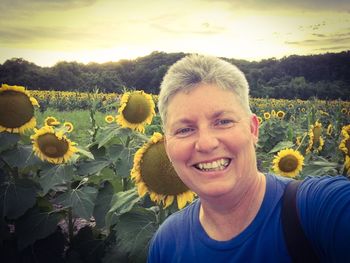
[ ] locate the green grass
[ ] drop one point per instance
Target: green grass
(80, 120)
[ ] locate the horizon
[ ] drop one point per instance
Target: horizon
(100, 31)
(139, 57)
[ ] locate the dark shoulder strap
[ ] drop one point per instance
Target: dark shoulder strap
(298, 245)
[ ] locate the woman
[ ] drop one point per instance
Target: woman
(210, 137)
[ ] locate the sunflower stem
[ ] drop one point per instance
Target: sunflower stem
(94, 128)
(301, 142)
(128, 140)
(161, 214)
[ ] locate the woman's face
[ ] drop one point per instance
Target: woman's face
(210, 140)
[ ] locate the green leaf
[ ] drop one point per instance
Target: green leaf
(102, 204)
(85, 152)
(106, 135)
(142, 137)
(281, 145)
(134, 232)
(17, 197)
(98, 153)
(35, 225)
(92, 167)
(55, 175)
(7, 140)
(122, 202)
(124, 132)
(81, 200)
(320, 168)
(21, 157)
(124, 163)
(114, 151)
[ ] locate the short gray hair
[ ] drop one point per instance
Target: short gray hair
(195, 69)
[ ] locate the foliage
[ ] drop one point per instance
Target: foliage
(324, 76)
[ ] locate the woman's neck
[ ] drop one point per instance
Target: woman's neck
(225, 219)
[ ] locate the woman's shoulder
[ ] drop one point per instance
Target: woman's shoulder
(326, 184)
(324, 196)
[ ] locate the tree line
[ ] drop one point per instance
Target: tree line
(325, 76)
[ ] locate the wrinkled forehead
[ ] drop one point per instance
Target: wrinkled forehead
(206, 102)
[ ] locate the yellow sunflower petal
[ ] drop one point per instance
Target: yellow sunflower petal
(168, 201)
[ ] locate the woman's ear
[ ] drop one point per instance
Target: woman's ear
(254, 127)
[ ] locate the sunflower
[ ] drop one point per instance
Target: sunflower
(260, 120)
(345, 131)
(344, 146)
(16, 109)
(315, 139)
(329, 129)
(344, 110)
(136, 110)
(153, 173)
(68, 126)
(51, 121)
(288, 162)
(52, 146)
(109, 119)
(280, 114)
(267, 115)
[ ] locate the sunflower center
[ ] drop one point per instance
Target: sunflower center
(288, 163)
(137, 109)
(16, 109)
(160, 178)
(51, 146)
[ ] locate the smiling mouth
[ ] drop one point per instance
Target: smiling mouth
(217, 165)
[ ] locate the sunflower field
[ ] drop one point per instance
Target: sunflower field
(102, 199)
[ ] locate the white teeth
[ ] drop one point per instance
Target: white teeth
(213, 166)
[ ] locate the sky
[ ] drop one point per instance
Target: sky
(49, 31)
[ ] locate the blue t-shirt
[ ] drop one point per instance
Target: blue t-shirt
(324, 205)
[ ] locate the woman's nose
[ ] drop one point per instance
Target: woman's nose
(206, 141)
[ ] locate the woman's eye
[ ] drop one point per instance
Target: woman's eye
(224, 122)
(184, 131)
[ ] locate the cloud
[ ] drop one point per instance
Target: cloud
(334, 48)
(51, 37)
(311, 5)
(11, 5)
(173, 23)
(200, 29)
(319, 35)
(322, 42)
(27, 8)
